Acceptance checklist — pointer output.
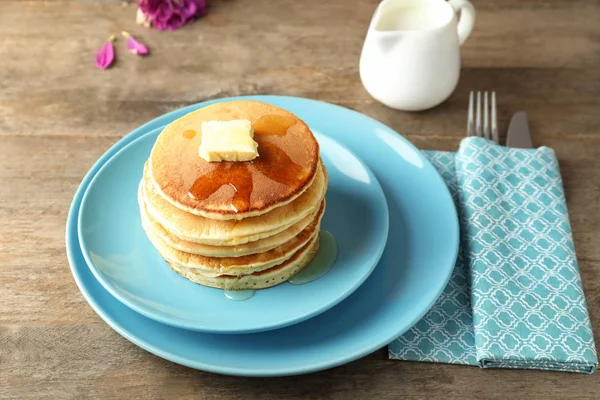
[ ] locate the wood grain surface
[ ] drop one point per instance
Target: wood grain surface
(58, 114)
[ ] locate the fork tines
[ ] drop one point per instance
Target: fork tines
(474, 122)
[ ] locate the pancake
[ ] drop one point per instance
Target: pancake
(286, 166)
(258, 246)
(196, 229)
(259, 280)
(215, 266)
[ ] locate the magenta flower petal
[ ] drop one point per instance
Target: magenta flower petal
(106, 55)
(171, 14)
(201, 6)
(175, 21)
(134, 46)
(149, 6)
(189, 8)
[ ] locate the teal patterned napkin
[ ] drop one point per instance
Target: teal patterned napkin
(515, 298)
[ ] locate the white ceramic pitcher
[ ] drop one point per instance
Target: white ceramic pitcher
(411, 59)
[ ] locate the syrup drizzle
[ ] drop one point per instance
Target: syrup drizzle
(270, 163)
(189, 134)
(272, 124)
(322, 262)
(320, 265)
(238, 174)
(239, 295)
(234, 174)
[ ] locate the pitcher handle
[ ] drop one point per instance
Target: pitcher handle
(467, 18)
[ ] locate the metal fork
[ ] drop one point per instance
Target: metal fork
(474, 127)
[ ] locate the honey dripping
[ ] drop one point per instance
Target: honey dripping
(272, 124)
(234, 174)
(189, 134)
(272, 162)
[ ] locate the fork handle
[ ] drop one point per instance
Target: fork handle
(466, 20)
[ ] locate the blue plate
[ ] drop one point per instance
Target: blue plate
(124, 261)
(415, 267)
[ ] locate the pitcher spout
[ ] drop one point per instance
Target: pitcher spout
(387, 41)
(383, 30)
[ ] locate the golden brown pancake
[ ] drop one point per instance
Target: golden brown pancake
(197, 229)
(287, 163)
(215, 266)
(244, 249)
(259, 280)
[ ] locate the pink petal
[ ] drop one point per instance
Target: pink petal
(160, 25)
(105, 56)
(175, 21)
(136, 47)
(190, 8)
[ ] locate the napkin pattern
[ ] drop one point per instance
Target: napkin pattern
(527, 305)
(445, 333)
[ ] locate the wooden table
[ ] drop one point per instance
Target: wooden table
(58, 114)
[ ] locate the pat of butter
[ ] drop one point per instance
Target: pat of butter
(228, 141)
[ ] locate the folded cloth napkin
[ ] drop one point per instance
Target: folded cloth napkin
(515, 298)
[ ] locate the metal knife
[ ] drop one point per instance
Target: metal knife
(518, 132)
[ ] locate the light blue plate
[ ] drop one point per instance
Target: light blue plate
(124, 261)
(415, 267)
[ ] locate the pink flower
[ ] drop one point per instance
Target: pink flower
(106, 54)
(171, 14)
(134, 46)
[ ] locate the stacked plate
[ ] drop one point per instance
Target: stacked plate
(381, 194)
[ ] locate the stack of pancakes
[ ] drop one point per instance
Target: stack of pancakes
(235, 225)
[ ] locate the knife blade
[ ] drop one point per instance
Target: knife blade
(518, 132)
